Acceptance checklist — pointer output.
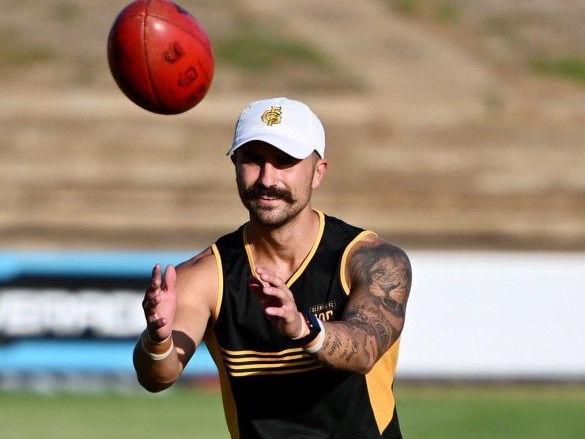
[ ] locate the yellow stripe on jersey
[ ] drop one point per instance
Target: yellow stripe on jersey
(344, 280)
(244, 363)
(307, 260)
(218, 264)
(276, 371)
(309, 257)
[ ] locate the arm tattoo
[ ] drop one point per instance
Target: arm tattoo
(384, 272)
(337, 347)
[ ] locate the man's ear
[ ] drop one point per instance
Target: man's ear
(319, 173)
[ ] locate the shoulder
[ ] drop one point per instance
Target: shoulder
(340, 226)
(338, 234)
(198, 262)
(198, 276)
(373, 255)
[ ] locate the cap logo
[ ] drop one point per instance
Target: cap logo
(272, 116)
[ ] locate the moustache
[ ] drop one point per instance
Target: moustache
(257, 191)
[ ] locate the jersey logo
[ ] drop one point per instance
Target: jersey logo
(324, 311)
(272, 116)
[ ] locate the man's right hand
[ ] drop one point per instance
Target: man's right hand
(160, 303)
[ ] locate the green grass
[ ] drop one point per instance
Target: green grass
(262, 54)
(572, 68)
(258, 52)
(170, 415)
(443, 10)
(426, 412)
(502, 412)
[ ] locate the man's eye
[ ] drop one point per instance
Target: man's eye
(287, 161)
(252, 158)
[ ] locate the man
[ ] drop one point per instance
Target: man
(301, 312)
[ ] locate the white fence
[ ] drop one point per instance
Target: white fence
(495, 315)
(470, 315)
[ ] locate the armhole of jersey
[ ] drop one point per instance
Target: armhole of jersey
(219, 266)
(344, 281)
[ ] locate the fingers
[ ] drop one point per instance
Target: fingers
(170, 277)
(277, 302)
(151, 297)
(155, 281)
(271, 278)
(157, 284)
(155, 303)
(254, 282)
(262, 290)
(269, 288)
(272, 292)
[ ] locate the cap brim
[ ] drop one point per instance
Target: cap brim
(294, 149)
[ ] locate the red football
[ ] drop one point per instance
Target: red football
(160, 56)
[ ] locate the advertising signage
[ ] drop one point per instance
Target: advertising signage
(73, 312)
(40, 305)
(75, 294)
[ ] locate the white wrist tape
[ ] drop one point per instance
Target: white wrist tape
(318, 343)
(303, 329)
(153, 356)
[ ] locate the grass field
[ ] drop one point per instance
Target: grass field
(427, 412)
(492, 411)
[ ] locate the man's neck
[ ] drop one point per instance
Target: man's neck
(283, 249)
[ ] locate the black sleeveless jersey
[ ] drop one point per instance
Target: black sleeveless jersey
(273, 390)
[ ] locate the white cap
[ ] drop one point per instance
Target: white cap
(288, 125)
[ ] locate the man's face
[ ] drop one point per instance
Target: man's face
(272, 185)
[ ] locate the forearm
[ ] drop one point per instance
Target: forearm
(157, 365)
(351, 347)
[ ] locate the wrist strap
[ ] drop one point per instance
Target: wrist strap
(151, 355)
(316, 344)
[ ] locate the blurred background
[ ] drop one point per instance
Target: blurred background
(454, 129)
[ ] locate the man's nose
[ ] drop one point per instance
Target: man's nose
(268, 175)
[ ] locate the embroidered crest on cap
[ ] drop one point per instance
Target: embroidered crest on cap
(272, 116)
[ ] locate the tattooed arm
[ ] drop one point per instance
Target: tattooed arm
(380, 276)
